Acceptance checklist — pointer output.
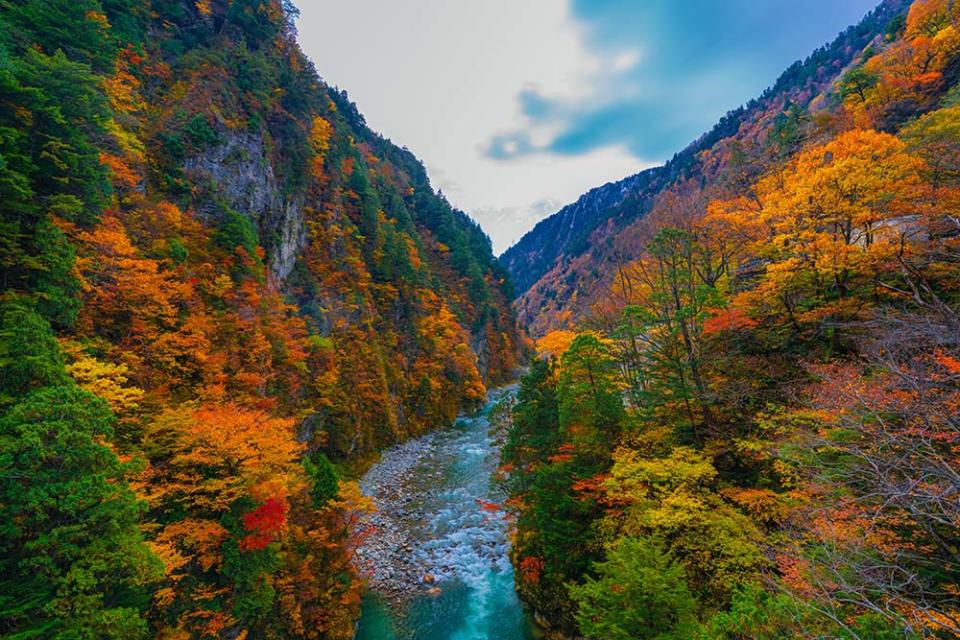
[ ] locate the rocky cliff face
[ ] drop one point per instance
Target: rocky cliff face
(247, 138)
(241, 176)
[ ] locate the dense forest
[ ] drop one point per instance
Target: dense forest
(752, 430)
(221, 295)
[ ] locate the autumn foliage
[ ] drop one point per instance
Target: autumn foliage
(761, 405)
(220, 289)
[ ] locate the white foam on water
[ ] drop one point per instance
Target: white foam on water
(460, 541)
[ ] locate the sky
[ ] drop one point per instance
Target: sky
(517, 107)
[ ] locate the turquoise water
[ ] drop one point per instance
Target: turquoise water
(450, 536)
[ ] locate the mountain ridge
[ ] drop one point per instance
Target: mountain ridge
(541, 258)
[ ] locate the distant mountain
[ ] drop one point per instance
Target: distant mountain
(571, 255)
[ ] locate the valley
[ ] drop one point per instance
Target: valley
(260, 379)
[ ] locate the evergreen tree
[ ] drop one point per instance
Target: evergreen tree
(590, 405)
(639, 594)
(72, 561)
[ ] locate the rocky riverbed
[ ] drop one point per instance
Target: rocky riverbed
(436, 555)
(392, 555)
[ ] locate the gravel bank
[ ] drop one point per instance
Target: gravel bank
(429, 526)
(391, 557)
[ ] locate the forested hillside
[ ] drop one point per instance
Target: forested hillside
(752, 430)
(561, 266)
(219, 289)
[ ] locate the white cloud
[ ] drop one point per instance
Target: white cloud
(442, 76)
(625, 60)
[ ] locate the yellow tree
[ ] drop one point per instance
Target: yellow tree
(834, 219)
(209, 465)
(673, 499)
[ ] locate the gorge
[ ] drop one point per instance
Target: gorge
(261, 380)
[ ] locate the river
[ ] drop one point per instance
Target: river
(437, 556)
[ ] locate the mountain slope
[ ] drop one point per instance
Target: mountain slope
(561, 265)
(757, 369)
(220, 288)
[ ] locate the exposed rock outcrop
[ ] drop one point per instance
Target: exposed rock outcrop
(240, 174)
